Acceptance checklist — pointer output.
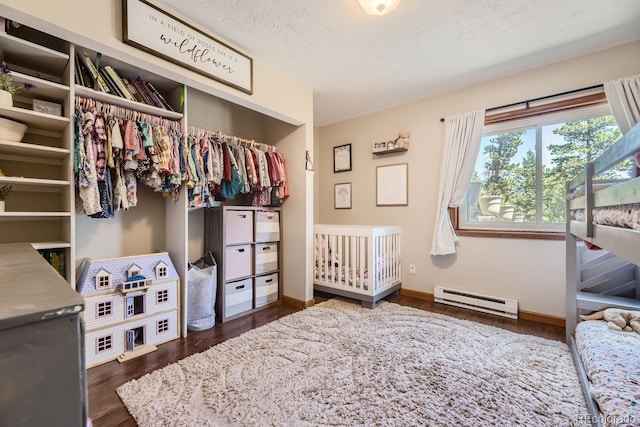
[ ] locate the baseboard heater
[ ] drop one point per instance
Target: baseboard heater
(485, 303)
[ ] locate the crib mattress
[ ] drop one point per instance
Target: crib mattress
(612, 363)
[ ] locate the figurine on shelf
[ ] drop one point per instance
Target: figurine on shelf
(402, 141)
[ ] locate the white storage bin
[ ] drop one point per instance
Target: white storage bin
(238, 227)
(266, 257)
(238, 261)
(238, 297)
(266, 289)
(267, 226)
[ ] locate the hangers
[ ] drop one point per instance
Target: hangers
(125, 113)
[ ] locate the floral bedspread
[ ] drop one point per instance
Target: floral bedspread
(612, 362)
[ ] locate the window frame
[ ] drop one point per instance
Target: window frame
(564, 109)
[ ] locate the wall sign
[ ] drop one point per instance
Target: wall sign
(153, 30)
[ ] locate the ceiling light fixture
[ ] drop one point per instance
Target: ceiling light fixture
(378, 7)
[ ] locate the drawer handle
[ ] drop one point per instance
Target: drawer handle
(266, 248)
(240, 250)
(268, 281)
(240, 287)
(269, 216)
(243, 216)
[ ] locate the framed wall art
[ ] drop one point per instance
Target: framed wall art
(151, 29)
(392, 187)
(342, 158)
(342, 196)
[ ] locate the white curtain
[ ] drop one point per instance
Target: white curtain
(624, 98)
(462, 136)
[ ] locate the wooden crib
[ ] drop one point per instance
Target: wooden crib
(357, 261)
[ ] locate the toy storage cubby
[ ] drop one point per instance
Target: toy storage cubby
(246, 244)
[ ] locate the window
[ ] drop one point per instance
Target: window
(103, 309)
(104, 343)
(518, 183)
(134, 270)
(163, 296)
(163, 325)
(161, 270)
(103, 280)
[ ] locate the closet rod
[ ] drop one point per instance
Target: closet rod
(231, 138)
(126, 113)
(526, 102)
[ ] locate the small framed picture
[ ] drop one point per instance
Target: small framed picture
(342, 158)
(342, 196)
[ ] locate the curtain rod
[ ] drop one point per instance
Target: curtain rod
(569, 92)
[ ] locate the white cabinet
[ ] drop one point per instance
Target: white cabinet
(246, 244)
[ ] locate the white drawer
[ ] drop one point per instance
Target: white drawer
(266, 257)
(267, 226)
(238, 297)
(238, 226)
(238, 261)
(266, 289)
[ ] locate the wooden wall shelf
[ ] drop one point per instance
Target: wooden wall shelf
(393, 150)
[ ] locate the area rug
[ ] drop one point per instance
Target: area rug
(337, 363)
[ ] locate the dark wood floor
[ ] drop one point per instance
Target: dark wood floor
(106, 409)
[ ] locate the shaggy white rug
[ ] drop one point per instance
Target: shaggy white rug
(340, 364)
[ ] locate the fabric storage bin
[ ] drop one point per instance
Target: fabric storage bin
(238, 297)
(238, 226)
(267, 226)
(266, 257)
(266, 289)
(238, 262)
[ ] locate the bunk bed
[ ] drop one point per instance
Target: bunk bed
(603, 271)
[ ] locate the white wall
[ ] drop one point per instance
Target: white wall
(531, 271)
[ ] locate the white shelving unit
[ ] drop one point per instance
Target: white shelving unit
(38, 168)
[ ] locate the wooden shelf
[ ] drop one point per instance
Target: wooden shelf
(35, 119)
(32, 150)
(50, 245)
(41, 88)
(123, 102)
(31, 55)
(22, 216)
(393, 150)
(33, 184)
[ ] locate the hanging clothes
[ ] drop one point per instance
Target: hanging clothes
(116, 149)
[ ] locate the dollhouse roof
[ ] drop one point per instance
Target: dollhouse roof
(118, 268)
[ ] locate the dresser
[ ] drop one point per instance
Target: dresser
(245, 242)
(41, 343)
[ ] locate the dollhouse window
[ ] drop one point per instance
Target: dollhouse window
(103, 280)
(163, 296)
(163, 325)
(133, 270)
(161, 270)
(103, 309)
(104, 343)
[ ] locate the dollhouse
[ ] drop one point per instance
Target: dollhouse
(131, 305)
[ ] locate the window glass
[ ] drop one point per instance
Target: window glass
(522, 167)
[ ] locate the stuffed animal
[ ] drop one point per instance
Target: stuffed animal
(402, 141)
(617, 319)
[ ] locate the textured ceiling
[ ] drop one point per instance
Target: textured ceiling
(358, 64)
